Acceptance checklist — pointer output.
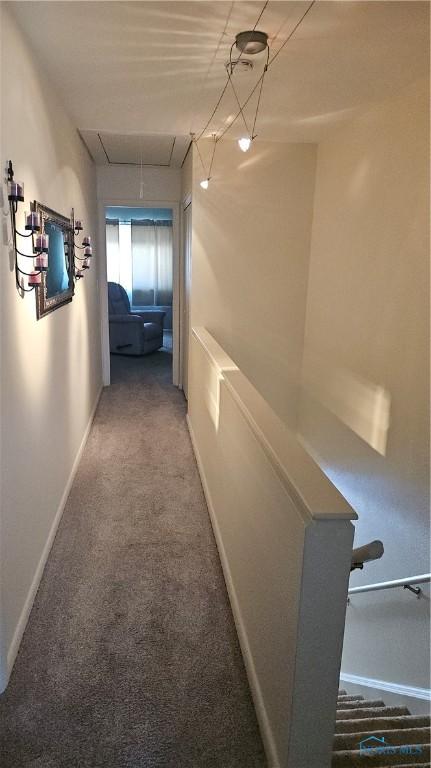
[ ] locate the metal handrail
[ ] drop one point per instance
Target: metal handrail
(406, 583)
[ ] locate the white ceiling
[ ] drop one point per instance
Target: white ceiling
(158, 67)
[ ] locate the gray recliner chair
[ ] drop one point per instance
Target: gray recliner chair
(132, 333)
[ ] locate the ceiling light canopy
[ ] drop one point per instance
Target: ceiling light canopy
(251, 42)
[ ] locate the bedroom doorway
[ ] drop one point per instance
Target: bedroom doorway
(141, 274)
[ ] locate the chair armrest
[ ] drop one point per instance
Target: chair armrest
(125, 319)
(151, 316)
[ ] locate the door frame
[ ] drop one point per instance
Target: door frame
(184, 327)
(103, 280)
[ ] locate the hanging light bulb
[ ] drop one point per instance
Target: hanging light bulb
(204, 183)
(244, 143)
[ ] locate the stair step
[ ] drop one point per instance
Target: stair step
(345, 741)
(366, 703)
(354, 714)
(350, 698)
(381, 723)
(419, 754)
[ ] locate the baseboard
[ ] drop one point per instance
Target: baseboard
(382, 685)
(262, 717)
(25, 613)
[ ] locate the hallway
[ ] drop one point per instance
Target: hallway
(130, 657)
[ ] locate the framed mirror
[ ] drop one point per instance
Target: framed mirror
(57, 284)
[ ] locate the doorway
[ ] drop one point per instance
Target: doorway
(141, 271)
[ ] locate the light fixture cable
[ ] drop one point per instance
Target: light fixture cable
(212, 156)
(255, 87)
(205, 80)
(229, 74)
(199, 153)
(253, 134)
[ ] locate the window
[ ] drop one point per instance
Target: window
(139, 257)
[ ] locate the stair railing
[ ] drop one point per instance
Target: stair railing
(407, 583)
(372, 551)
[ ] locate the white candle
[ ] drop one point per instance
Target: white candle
(34, 278)
(78, 224)
(86, 264)
(88, 251)
(79, 273)
(32, 221)
(16, 190)
(86, 240)
(41, 262)
(42, 243)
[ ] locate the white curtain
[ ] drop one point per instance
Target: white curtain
(152, 262)
(118, 254)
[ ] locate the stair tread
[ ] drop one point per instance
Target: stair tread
(393, 737)
(354, 758)
(406, 737)
(367, 703)
(347, 714)
(347, 697)
(385, 723)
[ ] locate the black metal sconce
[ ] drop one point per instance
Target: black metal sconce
(85, 246)
(34, 228)
(40, 243)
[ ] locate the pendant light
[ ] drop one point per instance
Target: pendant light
(244, 143)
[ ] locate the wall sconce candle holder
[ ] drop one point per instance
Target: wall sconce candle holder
(84, 260)
(32, 226)
(57, 243)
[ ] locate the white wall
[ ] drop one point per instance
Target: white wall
(52, 367)
(122, 183)
(368, 320)
(362, 295)
(251, 239)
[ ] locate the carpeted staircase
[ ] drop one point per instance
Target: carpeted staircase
(369, 734)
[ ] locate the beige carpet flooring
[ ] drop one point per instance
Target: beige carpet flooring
(130, 657)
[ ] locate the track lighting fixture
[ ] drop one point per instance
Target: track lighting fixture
(250, 42)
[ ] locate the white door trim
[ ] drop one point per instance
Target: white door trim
(182, 293)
